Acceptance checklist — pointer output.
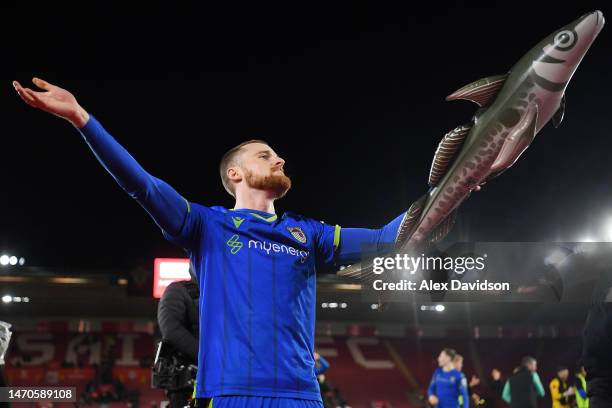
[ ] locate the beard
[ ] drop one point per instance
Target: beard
(279, 184)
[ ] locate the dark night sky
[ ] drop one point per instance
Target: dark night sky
(351, 96)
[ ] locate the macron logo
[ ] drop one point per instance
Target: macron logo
(237, 221)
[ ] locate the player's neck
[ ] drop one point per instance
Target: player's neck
(259, 201)
(447, 367)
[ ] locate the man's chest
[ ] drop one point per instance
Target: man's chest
(239, 239)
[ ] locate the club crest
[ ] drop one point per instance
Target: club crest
(298, 234)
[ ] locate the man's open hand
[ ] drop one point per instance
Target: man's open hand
(55, 100)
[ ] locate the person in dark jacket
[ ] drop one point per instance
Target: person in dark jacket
(597, 354)
(5, 338)
(495, 389)
(177, 316)
(524, 387)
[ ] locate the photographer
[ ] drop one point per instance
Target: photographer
(5, 338)
(177, 316)
(597, 343)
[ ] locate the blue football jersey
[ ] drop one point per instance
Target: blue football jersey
(448, 386)
(257, 281)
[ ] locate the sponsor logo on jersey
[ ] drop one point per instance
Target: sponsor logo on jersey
(269, 247)
(235, 244)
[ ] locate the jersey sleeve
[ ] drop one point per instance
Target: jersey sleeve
(190, 234)
(506, 394)
(538, 384)
(327, 243)
(355, 243)
(165, 205)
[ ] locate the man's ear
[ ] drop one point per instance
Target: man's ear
(234, 173)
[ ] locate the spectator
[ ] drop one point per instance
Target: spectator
(495, 389)
(560, 391)
(332, 397)
(596, 340)
(472, 385)
(178, 320)
(582, 400)
(321, 364)
(523, 388)
(5, 337)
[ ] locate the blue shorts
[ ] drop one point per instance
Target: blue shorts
(235, 401)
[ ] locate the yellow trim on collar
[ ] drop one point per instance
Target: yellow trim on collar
(272, 218)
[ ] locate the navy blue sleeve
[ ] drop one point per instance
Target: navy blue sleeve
(322, 365)
(167, 207)
(353, 241)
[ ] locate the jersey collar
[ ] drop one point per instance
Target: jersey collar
(262, 215)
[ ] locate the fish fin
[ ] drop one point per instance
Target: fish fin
(410, 220)
(492, 176)
(481, 92)
(558, 116)
(442, 230)
(446, 152)
(516, 143)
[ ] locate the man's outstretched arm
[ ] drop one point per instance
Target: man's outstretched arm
(354, 241)
(161, 201)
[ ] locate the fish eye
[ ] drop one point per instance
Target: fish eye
(565, 39)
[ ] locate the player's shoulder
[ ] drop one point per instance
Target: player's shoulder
(290, 216)
(302, 221)
(452, 373)
(207, 210)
